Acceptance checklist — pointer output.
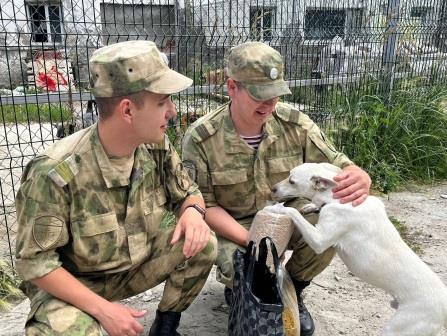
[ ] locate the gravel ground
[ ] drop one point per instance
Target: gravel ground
(341, 304)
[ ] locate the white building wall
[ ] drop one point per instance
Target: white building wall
(81, 29)
(220, 18)
(222, 22)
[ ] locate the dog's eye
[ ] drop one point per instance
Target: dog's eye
(291, 181)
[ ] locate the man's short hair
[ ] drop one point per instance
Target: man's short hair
(106, 106)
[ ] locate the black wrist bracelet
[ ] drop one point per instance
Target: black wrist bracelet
(198, 208)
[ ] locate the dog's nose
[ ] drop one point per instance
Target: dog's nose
(274, 189)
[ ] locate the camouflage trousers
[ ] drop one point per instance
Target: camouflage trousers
(304, 264)
(184, 279)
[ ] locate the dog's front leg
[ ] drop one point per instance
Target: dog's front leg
(309, 208)
(319, 237)
(312, 235)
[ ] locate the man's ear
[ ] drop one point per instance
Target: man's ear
(231, 87)
(322, 183)
(125, 110)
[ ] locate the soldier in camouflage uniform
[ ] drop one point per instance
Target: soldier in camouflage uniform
(236, 178)
(90, 209)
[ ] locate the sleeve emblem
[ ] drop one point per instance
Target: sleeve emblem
(183, 180)
(47, 230)
(190, 167)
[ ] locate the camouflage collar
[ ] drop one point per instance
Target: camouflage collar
(232, 140)
(112, 178)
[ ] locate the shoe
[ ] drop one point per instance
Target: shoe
(306, 322)
(228, 294)
(165, 324)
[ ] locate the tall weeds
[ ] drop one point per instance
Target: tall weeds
(8, 286)
(403, 138)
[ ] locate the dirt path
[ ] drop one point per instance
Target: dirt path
(340, 303)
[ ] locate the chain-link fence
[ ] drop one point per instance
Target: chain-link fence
(329, 47)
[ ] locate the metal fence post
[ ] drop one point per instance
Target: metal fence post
(391, 37)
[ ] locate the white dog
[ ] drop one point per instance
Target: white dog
(371, 248)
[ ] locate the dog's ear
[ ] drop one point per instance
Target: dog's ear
(322, 183)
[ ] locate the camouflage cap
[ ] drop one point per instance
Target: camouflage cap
(129, 67)
(259, 68)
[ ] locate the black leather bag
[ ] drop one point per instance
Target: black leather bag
(256, 308)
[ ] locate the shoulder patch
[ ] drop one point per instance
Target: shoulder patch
(288, 113)
(204, 131)
(47, 231)
(294, 116)
(64, 171)
(208, 124)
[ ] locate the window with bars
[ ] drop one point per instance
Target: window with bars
(121, 22)
(324, 23)
(45, 22)
(262, 23)
(327, 23)
(422, 13)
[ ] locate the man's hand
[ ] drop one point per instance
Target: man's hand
(353, 185)
(196, 232)
(119, 320)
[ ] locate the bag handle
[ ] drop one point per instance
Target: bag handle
(262, 257)
(250, 259)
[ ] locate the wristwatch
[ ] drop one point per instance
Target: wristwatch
(198, 208)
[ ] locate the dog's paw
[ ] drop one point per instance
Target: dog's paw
(309, 208)
(278, 208)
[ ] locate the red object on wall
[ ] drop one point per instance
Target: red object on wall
(51, 71)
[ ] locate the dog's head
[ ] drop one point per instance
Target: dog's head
(305, 180)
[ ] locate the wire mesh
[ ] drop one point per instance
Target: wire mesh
(331, 49)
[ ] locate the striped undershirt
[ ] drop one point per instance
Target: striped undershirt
(252, 141)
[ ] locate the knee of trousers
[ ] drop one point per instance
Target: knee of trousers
(224, 261)
(208, 255)
(56, 317)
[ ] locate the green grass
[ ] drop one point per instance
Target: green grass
(408, 236)
(35, 113)
(8, 286)
(396, 140)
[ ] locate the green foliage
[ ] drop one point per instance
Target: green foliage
(8, 286)
(400, 139)
(173, 135)
(33, 89)
(35, 113)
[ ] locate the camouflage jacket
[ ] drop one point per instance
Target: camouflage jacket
(74, 211)
(238, 178)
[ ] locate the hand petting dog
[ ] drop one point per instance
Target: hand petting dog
(353, 185)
